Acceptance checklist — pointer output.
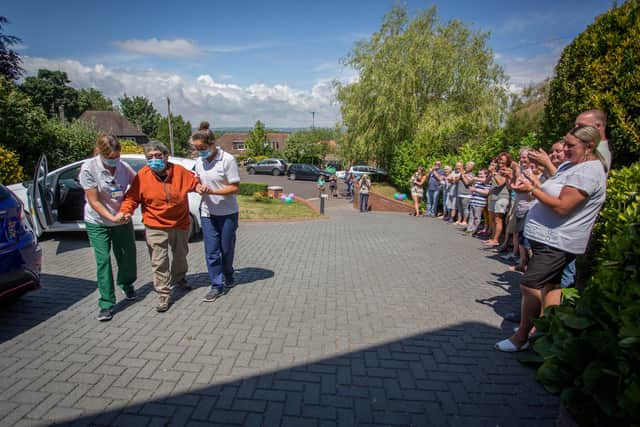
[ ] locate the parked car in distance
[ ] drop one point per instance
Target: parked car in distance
(376, 174)
(20, 253)
(341, 174)
(303, 171)
(56, 203)
(274, 167)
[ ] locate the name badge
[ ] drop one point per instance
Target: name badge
(117, 193)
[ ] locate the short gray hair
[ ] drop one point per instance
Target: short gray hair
(155, 145)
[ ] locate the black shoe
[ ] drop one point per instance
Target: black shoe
(105, 315)
(229, 281)
(213, 294)
(130, 294)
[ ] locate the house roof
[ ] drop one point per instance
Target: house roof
(111, 123)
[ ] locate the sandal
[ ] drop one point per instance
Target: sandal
(509, 347)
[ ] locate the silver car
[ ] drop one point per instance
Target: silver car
(56, 202)
(274, 167)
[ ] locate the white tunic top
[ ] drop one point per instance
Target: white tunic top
(222, 170)
(111, 188)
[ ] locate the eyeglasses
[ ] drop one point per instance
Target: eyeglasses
(155, 156)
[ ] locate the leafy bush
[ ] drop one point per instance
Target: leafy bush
(599, 69)
(249, 188)
(21, 124)
(261, 197)
(10, 169)
(589, 347)
(131, 147)
(68, 142)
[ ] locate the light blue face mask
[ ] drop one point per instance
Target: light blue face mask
(156, 164)
(204, 153)
(112, 163)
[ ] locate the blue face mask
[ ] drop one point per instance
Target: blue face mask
(204, 153)
(112, 163)
(156, 164)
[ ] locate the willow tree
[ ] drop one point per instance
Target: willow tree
(423, 86)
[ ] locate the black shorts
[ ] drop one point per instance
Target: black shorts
(545, 266)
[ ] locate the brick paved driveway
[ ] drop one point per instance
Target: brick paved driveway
(361, 319)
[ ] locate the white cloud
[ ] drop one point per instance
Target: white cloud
(523, 71)
(178, 48)
(203, 98)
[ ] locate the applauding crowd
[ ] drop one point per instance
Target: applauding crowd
(543, 204)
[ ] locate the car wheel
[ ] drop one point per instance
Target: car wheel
(275, 172)
(251, 171)
(292, 176)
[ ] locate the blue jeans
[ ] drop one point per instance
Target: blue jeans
(568, 275)
(219, 234)
(432, 201)
(364, 202)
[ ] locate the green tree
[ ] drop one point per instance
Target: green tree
(430, 85)
(140, 112)
(599, 70)
(92, 99)
(21, 124)
(67, 142)
(9, 59)
(257, 139)
(181, 134)
(51, 91)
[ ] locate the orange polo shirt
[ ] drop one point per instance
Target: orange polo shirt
(164, 202)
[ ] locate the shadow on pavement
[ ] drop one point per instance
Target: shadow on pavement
(446, 377)
(242, 276)
(56, 294)
(509, 282)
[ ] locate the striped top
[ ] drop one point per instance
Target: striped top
(478, 199)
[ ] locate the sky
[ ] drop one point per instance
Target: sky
(232, 63)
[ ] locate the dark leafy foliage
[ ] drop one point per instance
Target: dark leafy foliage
(589, 348)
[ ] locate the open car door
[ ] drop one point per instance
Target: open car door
(40, 197)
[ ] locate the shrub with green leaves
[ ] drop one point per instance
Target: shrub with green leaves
(589, 347)
(599, 69)
(131, 147)
(261, 197)
(10, 169)
(249, 188)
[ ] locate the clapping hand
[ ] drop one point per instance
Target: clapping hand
(532, 178)
(540, 157)
(522, 186)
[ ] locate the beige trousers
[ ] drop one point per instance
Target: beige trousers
(159, 240)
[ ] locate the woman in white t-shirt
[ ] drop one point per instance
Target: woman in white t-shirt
(105, 179)
(558, 225)
(220, 181)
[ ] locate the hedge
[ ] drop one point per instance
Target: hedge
(249, 188)
(589, 347)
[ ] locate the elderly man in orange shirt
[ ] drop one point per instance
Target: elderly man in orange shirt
(161, 189)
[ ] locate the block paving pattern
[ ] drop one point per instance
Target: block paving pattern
(374, 319)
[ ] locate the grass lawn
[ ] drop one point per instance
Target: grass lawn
(389, 190)
(276, 209)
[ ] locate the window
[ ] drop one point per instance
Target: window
(239, 145)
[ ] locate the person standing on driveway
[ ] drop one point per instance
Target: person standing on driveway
(220, 181)
(364, 185)
(161, 189)
(105, 179)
